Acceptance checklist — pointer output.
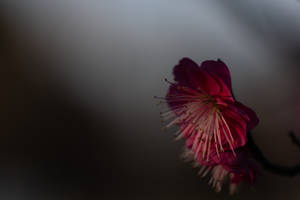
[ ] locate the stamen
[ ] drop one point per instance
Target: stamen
(167, 81)
(188, 90)
(210, 133)
(205, 146)
(215, 136)
(201, 169)
(199, 145)
(218, 132)
(197, 138)
(206, 171)
(227, 127)
(173, 122)
(228, 140)
(209, 143)
(197, 115)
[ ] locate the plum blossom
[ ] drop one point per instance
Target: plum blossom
(213, 124)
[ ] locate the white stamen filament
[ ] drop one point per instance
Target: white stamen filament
(200, 119)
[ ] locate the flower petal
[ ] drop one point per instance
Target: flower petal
(252, 117)
(189, 74)
(173, 92)
(219, 69)
(237, 125)
(242, 167)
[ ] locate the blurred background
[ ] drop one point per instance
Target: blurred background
(77, 80)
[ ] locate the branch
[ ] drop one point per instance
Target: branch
(294, 139)
(268, 165)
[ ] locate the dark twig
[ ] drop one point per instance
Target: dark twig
(294, 139)
(274, 168)
(268, 165)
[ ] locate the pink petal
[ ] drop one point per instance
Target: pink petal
(185, 71)
(188, 73)
(174, 91)
(237, 125)
(242, 166)
(219, 69)
(252, 117)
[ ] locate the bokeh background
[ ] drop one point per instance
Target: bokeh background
(77, 80)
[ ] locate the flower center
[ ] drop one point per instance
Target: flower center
(201, 120)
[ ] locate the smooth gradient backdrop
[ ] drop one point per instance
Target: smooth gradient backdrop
(77, 80)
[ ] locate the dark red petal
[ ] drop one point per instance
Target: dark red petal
(173, 92)
(252, 117)
(184, 72)
(241, 165)
(219, 69)
(224, 92)
(189, 74)
(237, 125)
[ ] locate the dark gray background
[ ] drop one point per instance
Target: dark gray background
(77, 78)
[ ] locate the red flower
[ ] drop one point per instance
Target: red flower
(213, 123)
(202, 105)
